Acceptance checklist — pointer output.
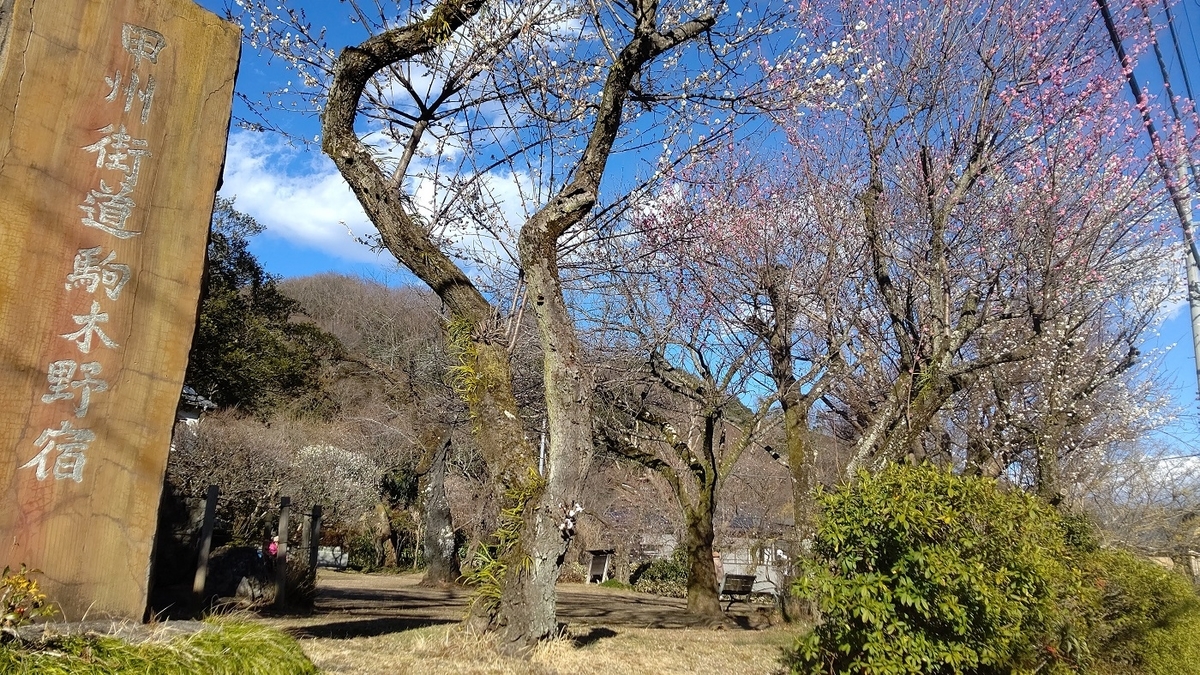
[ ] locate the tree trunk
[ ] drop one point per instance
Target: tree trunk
(800, 465)
(779, 343)
(981, 461)
(485, 380)
(441, 556)
(485, 375)
(529, 606)
(702, 589)
(1046, 466)
(702, 585)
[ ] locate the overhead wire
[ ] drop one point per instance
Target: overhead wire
(1187, 81)
(1188, 15)
(1191, 165)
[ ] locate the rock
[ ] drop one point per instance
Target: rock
(238, 572)
(251, 590)
(134, 633)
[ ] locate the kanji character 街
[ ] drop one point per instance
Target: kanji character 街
(117, 146)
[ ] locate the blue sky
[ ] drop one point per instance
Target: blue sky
(313, 221)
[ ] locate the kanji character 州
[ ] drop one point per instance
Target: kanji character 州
(131, 91)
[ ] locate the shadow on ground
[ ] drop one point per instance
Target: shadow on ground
(344, 630)
(364, 605)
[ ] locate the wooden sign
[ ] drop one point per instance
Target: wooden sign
(113, 121)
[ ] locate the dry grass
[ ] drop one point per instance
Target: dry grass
(449, 649)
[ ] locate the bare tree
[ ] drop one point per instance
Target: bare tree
(962, 200)
(540, 88)
(1144, 496)
(768, 248)
(1086, 391)
(671, 402)
(997, 190)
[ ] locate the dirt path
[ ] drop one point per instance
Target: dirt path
(361, 605)
(368, 624)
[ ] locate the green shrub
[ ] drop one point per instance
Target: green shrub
(663, 577)
(616, 583)
(224, 649)
(1145, 619)
(917, 570)
(361, 553)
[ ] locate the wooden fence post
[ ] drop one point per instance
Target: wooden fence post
(285, 506)
(206, 532)
(315, 538)
(305, 529)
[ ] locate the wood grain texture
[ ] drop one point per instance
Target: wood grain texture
(80, 501)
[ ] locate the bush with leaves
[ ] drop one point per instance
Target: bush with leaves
(362, 553)
(917, 570)
(663, 577)
(1146, 619)
(21, 601)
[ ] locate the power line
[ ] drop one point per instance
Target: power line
(1166, 78)
(1179, 198)
(1188, 15)
(1187, 81)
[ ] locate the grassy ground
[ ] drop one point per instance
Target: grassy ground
(222, 649)
(611, 651)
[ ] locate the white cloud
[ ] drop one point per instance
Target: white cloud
(300, 197)
(312, 209)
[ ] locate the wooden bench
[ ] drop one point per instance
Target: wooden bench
(736, 585)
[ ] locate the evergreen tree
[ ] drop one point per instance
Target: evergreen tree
(250, 351)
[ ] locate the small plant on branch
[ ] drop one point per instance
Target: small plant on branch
(493, 562)
(22, 601)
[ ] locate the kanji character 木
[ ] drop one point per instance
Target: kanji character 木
(89, 327)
